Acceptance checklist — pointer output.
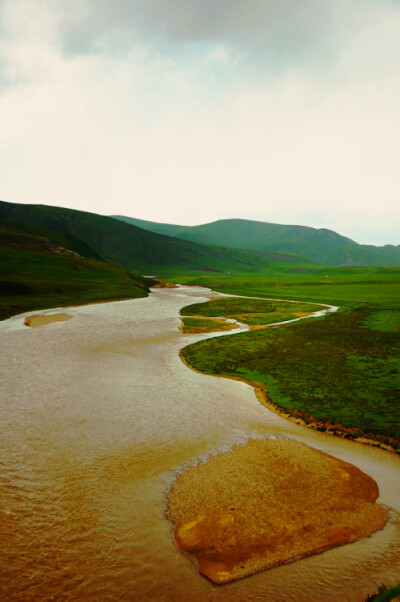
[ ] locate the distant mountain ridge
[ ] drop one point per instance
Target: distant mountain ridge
(140, 250)
(322, 245)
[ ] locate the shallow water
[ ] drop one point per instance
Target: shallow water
(97, 416)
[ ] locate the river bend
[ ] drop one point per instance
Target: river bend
(97, 416)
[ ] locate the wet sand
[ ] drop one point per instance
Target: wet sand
(268, 503)
(39, 320)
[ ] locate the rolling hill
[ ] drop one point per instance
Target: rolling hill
(134, 248)
(321, 245)
(38, 272)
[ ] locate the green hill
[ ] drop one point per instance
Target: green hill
(160, 228)
(147, 252)
(37, 272)
(33, 237)
(321, 245)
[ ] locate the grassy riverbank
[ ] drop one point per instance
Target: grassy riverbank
(37, 272)
(340, 373)
(254, 312)
(385, 594)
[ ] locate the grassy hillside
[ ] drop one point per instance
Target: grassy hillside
(322, 245)
(36, 273)
(32, 237)
(147, 252)
(160, 228)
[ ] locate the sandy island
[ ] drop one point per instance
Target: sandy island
(38, 320)
(267, 503)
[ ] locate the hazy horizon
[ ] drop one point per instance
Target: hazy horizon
(186, 113)
(181, 223)
(243, 219)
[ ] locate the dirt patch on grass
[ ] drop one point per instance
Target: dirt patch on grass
(203, 324)
(259, 326)
(268, 503)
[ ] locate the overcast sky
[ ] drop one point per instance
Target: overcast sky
(188, 111)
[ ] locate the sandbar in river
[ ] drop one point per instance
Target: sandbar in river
(98, 416)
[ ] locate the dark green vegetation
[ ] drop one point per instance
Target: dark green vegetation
(321, 245)
(31, 237)
(343, 369)
(320, 368)
(386, 320)
(385, 594)
(38, 272)
(253, 312)
(136, 249)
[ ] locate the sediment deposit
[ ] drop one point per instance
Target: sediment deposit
(267, 503)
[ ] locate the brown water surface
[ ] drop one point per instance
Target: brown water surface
(97, 415)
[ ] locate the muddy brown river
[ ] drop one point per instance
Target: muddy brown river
(98, 414)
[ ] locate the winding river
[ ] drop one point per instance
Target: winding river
(97, 415)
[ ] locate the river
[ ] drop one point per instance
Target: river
(98, 414)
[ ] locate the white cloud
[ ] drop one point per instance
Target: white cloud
(190, 136)
(220, 55)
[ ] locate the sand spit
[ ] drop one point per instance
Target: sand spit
(268, 503)
(38, 320)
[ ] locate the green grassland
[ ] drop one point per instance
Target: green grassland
(336, 286)
(37, 273)
(385, 320)
(343, 369)
(253, 312)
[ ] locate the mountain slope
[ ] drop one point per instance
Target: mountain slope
(158, 227)
(136, 249)
(322, 245)
(39, 237)
(37, 273)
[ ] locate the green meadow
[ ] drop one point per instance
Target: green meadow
(342, 369)
(253, 312)
(347, 287)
